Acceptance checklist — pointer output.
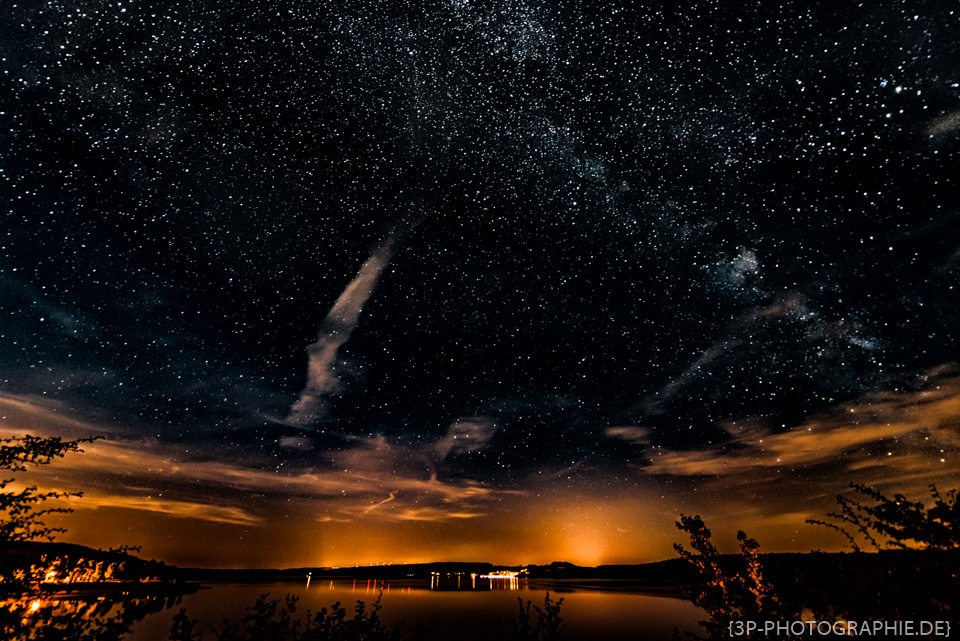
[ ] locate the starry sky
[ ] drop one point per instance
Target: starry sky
(514, 281)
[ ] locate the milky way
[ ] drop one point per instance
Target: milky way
(645, 235)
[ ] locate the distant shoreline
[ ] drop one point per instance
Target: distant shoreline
(672, 577)
(672, 571)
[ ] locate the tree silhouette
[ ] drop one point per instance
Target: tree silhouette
(21, 518)
(912, 576)
(729, 592)
(898, 522)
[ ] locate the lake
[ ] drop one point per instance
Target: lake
(468, 612)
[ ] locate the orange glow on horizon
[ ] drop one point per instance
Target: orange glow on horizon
(152, 495)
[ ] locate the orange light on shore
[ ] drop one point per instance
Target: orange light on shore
(500, 574)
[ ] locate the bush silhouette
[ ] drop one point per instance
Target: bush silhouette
(730, 591)
(548, 626)
(21, 519)
(914, 574)
(898, 522)
(273, 620)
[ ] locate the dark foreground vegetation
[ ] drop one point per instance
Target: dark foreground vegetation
(913, 574)
(61, 592)
(276, 620)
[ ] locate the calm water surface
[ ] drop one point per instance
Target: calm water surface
(589, 611)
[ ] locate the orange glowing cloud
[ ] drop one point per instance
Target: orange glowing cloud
(373, 477)
(852, 434)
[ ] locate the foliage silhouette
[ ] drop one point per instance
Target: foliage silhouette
(728, 594)
(915, 574)
(898, 522)
(549, 625)
(28, 569)
(20, 520)
(273, 620)
(183, 627)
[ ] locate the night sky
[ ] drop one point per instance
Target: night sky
(511, 281)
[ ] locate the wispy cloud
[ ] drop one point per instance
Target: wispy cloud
(434, 514)
(347, 484)
(179, 509)
(383, 502)
(698, 369)
(629, 433)
(467, 435)
(944, 125)
(325, 371)
(874, 432)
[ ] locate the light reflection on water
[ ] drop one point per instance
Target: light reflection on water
(38, 610)
(465, 614)
(458, 581)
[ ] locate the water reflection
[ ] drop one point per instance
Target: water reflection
(465, 607)
(499, 580)
(30, 614)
